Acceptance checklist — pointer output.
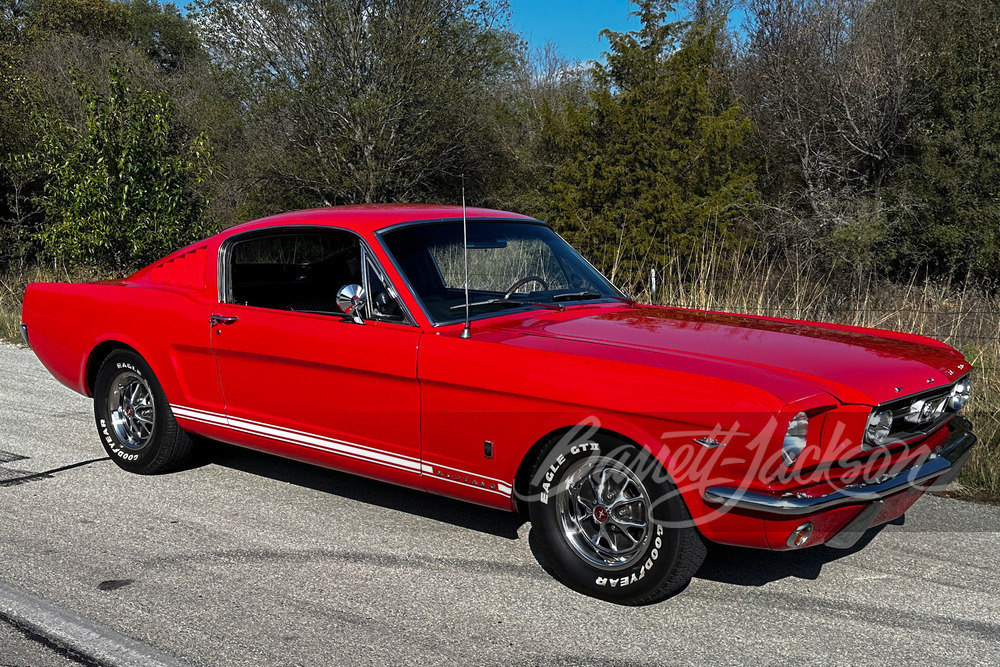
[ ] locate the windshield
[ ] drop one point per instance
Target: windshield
(511, 265)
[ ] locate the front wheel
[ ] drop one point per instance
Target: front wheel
(137, 428)
(611, 524)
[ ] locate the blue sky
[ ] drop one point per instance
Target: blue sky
(572, 25)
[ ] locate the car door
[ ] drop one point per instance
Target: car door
(300, 378)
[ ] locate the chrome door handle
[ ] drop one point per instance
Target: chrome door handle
(216, 320)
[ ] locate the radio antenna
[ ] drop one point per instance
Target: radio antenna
(466, 332)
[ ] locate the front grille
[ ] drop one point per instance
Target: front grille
(906, 424)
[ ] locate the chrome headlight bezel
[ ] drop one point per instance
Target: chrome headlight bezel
(795, 439)
(878, 430)
(960, 394)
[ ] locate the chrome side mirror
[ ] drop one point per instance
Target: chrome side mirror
(350, 299)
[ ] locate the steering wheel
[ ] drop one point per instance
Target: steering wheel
(525, 281)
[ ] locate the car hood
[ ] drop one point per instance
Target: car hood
(854, 365)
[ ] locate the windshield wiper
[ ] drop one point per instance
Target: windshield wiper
(580, 296)
(509, 302)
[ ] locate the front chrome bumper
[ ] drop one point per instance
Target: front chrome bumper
(941, 466)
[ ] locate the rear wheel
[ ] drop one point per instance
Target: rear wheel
(137, 428)
(610, 522)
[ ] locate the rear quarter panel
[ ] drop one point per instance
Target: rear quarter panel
(166, 325)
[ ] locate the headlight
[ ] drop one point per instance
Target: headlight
(960, 394)
(879, 425)
(795, 438)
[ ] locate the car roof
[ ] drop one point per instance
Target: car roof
(368, 218)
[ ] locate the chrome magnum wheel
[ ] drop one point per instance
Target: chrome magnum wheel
(610, 523)
(133, 417)
(132, 410)
(605, 513)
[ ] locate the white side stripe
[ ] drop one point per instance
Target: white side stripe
(308, 437)
(326, 444)
(199, 415)
(321, 443)
(299, 438)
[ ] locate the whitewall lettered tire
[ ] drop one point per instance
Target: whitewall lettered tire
(133, 417)
(610, 523)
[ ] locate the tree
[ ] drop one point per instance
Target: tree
(158, 30)
(100, 19)
(952, 176)
(655, 162)
(125, 189)
(544, 85)
(827, 84)
(364, 100)
(163, 35)
(878, 125)
(48, 45)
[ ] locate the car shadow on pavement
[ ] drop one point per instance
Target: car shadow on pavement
(14, 477)
(756, 567)
(724, 564)
(419, 503)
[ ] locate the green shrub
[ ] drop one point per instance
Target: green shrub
(123, 189)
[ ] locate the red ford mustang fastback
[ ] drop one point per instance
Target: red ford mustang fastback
(489, 362)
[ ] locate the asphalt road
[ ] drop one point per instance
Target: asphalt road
(19, 650)
(245, 559)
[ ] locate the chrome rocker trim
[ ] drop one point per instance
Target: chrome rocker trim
(944, 464)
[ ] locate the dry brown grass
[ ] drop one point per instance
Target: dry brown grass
(12, 286)
(11, 292)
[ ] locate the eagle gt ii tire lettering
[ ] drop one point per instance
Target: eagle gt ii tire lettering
(610, 522)
(136, 425)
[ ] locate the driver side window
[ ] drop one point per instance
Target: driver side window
(303, 271)
(299, 270)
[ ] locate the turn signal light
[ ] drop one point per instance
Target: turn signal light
(800, 536)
